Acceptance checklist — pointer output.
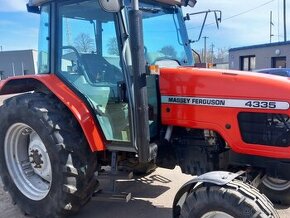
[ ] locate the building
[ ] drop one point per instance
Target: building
(15, 63)
(221, 63)
(273, 55)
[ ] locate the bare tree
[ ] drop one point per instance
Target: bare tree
(84, 43)
(112, 46)
(222, 53)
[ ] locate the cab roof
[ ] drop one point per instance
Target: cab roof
(170, 2)
(37, 2)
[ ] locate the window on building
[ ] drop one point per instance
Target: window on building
(248, 63)
(1, 74)
(279, 62)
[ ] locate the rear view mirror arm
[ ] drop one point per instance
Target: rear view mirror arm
(218, 18)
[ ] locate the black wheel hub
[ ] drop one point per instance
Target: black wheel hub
(36, 159)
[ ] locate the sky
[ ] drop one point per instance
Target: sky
(244, 23)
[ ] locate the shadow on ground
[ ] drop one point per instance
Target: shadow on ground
(281, 207)
(135, 208)
(142, 189)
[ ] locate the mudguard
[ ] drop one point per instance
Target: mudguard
(215, 177)
(53, 84)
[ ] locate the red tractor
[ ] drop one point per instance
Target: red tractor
(99, 99)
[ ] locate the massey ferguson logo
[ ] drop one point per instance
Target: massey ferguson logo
(233, 103)
(197, 101)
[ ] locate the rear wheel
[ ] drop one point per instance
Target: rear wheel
(235, 199)
(45, 161)
(277, 190)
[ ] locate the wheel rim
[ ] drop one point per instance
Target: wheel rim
(27, 161)
(276, 184)
(216, 214)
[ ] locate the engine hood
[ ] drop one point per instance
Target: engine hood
(230, 103)
(193, 82)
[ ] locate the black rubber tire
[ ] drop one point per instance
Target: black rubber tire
(236, 199)
(278, 197)
(73, 164)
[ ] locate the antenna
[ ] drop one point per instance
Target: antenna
(205, 50)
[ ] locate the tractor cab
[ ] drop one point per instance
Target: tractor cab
(89, 48)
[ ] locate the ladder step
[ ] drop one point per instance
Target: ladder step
(112, 197)
(116, 176)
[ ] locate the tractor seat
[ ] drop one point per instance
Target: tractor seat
(99, 69)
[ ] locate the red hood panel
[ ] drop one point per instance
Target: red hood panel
(223, 83)
(212, 99)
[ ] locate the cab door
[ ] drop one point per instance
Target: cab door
(89, 60)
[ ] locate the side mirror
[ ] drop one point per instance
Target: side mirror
(191, 3)
(110, 5)
(33, 9)
(218, 18)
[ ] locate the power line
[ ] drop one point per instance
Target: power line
(247, 11)
(239, 14)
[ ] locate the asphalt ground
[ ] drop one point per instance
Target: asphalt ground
(152, 196)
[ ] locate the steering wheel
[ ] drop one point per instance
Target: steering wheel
(79, 63)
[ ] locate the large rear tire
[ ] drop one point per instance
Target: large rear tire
(235, 199)
(278, 191)
(45, 161)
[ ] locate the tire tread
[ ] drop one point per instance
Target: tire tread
(234, 194)
(78, 162)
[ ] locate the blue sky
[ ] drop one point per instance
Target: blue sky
(244, 22)
(19, 29)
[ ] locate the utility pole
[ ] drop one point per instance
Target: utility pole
(212, 46)
(205, 53)
(271, 26)
(68, 32)
(284, 17)
(278, 21)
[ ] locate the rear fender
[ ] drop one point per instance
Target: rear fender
(215, 177)
(51, 83)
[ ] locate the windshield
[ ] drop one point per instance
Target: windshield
(164, 36)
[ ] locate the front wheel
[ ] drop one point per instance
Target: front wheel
(235, 199)
(45, 161)
(277, 190)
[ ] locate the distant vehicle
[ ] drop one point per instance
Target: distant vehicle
(276, 71)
